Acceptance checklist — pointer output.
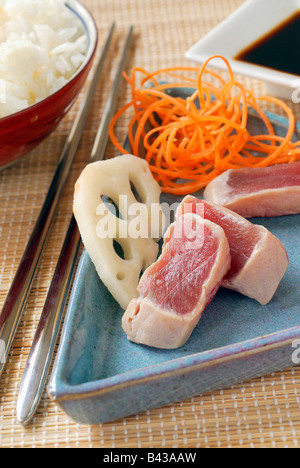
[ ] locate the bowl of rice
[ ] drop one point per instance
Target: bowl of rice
(47, 48)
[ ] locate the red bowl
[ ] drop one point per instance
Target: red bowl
(23, 131)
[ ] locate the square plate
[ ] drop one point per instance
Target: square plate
(249, 23)
(100, 376)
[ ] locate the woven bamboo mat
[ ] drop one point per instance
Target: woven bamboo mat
(261, 413)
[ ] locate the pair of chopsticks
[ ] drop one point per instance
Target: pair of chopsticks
(39, 359)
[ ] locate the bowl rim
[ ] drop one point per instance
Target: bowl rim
(90, 54)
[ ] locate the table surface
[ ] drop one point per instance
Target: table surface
(264, 412)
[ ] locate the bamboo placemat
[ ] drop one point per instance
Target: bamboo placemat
(261, 413)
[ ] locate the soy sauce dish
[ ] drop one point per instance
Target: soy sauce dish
(47, 50)
(261, 40)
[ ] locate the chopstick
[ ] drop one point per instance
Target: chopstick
(39, 359)
(18, 293)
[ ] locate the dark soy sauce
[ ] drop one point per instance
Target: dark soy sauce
(279, 49)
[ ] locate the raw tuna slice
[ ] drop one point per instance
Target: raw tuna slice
(258, 259)
(175, 290)
(258, 192)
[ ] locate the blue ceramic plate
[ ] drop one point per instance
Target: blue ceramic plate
(100, 376)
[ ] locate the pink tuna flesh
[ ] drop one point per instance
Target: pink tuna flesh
(258, 258)
(175, 280)
(241, 234)
(175, 290)
(258, 192)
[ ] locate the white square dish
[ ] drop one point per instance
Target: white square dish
(247, 25)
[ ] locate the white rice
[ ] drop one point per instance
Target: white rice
(42, 45)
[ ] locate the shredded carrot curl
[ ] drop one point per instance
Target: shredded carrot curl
(189, 142)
